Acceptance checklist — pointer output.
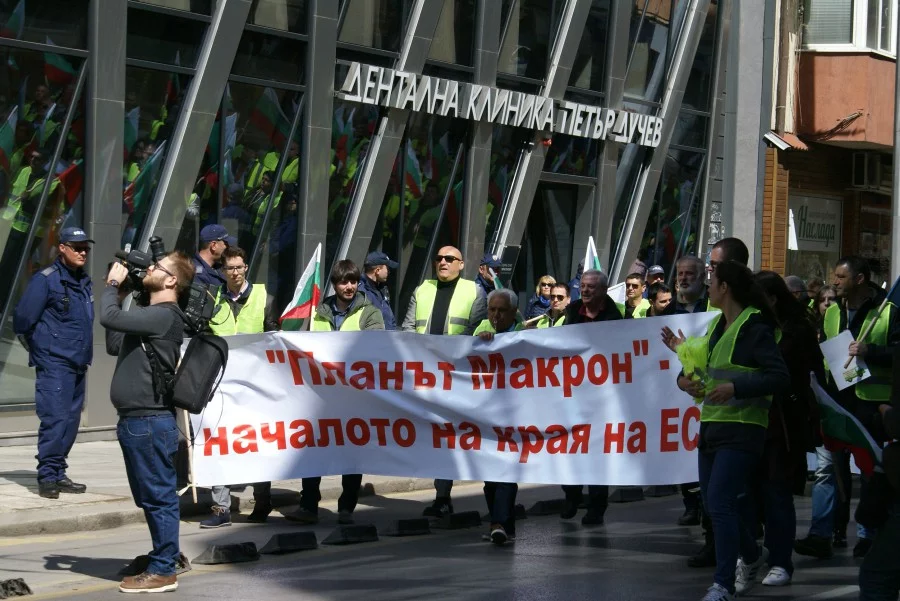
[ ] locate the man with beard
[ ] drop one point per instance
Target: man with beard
(690, 291)
(594, 305)
(147, 430)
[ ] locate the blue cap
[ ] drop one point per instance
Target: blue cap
(491, 261)
(214, 232)
(656, 269)
(377, 257)
(73, 234)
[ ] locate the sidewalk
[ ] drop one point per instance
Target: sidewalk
(107, 502)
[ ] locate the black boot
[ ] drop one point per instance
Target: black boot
(262, 507)
(705, 557)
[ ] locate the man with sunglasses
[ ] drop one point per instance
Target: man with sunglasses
(449, 305)
(54, 320)
(636, 306)
(214, 239)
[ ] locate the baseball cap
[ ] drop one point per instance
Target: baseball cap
(214, 232)
(656, 269)
(379, 258)
(491, 261)
(73, 234)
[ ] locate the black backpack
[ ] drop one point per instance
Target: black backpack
(199, 372)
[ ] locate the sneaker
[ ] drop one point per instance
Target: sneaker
(66, 485)
(441, 507)
(592, 518)
(705, 557)
(690, 517)
(777, 577)
(182, 565)
(717, 592)
(498, 534)
(862, 548)
(571, 508)
(260, 513)
(745, 573)
(221, 517)
(510, 538)
(48, 490)
(345, 517)
(148, 583)
(814, 546)
(303, 516)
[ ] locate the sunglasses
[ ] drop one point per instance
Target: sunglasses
(546, 284)
(79, 249)
(446, 258)
(632, 286)
(558, 297)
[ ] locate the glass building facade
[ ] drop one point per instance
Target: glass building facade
(158, 117)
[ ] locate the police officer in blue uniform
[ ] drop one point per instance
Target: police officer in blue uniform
(214, 239)
(54, 321)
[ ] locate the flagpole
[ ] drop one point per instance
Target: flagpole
(871, 324)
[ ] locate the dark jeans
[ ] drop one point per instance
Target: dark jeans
(598, 496)
(724, 477)
(442, 488)
(781, 522)
(149, 445)
(879, 576)
(310, 495)
(691, 499)
(58, 399)
(501, 502)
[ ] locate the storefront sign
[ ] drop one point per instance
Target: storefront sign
(381, 86)
(815, 224)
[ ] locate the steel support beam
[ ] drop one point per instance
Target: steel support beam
(478, 158)
(376, 171)
(198, 114)
(518, 201)
(645, 186)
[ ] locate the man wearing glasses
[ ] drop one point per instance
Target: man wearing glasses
(54, 320)
(243, 308)
(449, 305)
(636, 306)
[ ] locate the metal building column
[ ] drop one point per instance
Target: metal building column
(105, 139)
(376, 171)
(645, 186)
(531, 162)
(318, 113)
(198, 113)
(478, 158)
(616, 70)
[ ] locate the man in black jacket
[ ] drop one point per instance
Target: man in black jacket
(594, 305)
(147, 429)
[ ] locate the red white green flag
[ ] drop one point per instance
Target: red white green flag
(15, 25)
(413, 171)
(268, 117)
(591, 260)
(841, 430)
(8, 138)
(58, 71)
(306, 296)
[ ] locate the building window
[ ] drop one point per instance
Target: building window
(828, 21)
(45, 21)
(452, 42)
(880, 25)
(841, 25)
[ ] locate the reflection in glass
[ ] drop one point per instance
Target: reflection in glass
(152, 103)
(697, 92)
(506, 145)
(648, 42)
(55, 22)
(690, 130)
(373, 23)
(270, 57)
(587, 72)
(160, 38)
(286, 15)
(32, 117)
(422, 177)
(572, 155)
(452, 42)
(203, 7)
(529, 37)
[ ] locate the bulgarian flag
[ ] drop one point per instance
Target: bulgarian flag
(132, 119)
(57, 69)
(72, 179)
(591, 260)
(413, 171)
(268, 116)
(306, 296)
(8, 139)
(16, 23)
(841, 430)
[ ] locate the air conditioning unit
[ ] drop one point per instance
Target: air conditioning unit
(872, 170)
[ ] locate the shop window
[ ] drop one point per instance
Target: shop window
(372, 23)
(814, 236)
(506, 146)
(162, 38)
(45, 21)
(452, 42)
(33, 108)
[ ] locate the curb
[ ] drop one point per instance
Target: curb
(114, 514)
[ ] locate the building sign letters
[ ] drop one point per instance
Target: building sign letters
(381, 86)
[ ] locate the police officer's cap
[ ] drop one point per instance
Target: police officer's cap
(73, 234)
(491, 261)
(214, 232)
(376, 258)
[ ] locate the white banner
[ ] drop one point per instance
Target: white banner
(582, 404)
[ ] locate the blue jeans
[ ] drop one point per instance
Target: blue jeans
(830, 502)
(501, 503)
(879, 576)
(58, 399)
(724, 478)
(149, 445)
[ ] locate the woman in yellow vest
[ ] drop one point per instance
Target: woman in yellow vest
(744, 368)
(347, 310)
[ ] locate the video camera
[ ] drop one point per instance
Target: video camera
(198, 304)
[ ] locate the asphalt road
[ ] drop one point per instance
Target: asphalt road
(639, 554)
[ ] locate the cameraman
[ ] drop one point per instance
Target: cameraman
(147, 430)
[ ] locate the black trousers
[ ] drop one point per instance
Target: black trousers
(310, 494)
(598, 496)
